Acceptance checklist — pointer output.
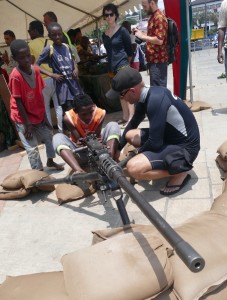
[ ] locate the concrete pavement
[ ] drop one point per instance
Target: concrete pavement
(36, 232)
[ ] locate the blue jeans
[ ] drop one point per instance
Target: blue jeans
(48, 94)
(158, 74)
(40, 132)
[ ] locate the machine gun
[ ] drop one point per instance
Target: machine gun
(109, 175)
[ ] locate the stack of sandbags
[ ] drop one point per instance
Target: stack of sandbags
(19, 184)
(207, 233)
(135, 262)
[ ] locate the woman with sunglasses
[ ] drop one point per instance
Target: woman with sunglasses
(117, 42)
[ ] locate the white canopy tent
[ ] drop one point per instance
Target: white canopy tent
(17, 14)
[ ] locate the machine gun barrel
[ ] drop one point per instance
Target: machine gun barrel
(188, 255)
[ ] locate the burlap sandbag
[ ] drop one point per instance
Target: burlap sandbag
(13, 181)
(222, 150)
(207, 233)
(67, 192)
(224, 187)
(41, 286)
(221, 163)
(196, 106)
(29, 179)
(26, 179)
(130, 267)
(219, 294)
(220, 203)
(13, 194)
(167, 295)
(104, 234)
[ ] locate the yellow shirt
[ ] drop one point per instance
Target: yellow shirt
(36, 47)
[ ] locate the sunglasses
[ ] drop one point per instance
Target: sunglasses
(109, 15)
(122, 94)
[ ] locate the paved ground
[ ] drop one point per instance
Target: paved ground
(36, 232)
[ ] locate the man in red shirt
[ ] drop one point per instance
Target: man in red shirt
(156, 43)
(27, 108)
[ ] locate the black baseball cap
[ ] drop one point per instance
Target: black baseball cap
(123, 80)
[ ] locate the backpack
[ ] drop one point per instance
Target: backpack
(172, 40)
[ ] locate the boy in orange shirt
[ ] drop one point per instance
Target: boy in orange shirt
(84, 118)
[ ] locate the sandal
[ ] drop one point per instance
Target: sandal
(223, 75)
(179, 187)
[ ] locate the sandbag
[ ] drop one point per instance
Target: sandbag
(221, 163)
(167, 295)
(41, 286)
(13, 193)
(218, 294)
(104, 234)
(222, 150)
(196, 106)
(13, 181)
(207, 233)
(130, 267)
(26, 179)
(67, 192)
(220, 203)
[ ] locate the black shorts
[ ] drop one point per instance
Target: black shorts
(173, 158)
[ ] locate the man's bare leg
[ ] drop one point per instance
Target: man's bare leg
(133, 137)
(140, 168)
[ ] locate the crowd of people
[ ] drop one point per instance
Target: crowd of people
(47, 68)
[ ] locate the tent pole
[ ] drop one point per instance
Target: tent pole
(97, 30)
(189, 50)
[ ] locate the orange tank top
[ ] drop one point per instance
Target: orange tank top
(83, 128)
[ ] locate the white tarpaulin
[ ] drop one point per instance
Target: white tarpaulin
(17, 14)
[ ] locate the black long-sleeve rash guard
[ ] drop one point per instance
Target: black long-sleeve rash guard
(171, 122)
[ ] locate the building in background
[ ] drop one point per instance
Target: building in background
(205, 15)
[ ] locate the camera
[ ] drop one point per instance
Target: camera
(138, 40)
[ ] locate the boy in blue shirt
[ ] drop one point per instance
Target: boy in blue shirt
(65, 71)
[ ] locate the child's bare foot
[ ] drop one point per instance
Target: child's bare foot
(52, 164)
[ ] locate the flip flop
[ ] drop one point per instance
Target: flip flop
(179, 187)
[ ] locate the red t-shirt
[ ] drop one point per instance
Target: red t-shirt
(157, 26)
(32, 98)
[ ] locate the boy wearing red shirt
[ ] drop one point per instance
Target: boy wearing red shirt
(27, 106)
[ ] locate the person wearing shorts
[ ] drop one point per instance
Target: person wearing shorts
(170, 145)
